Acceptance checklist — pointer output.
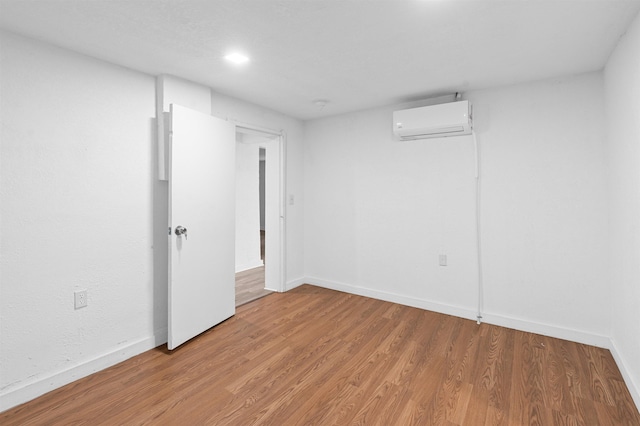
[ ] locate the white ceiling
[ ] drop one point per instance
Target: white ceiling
(355, 53)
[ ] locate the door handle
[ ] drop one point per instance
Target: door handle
(181, 230)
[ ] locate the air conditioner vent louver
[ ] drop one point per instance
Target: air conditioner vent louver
(434, 121)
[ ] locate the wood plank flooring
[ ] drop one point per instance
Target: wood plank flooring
(313, 356)
(250, 285)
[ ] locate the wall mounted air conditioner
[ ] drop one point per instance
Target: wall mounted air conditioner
(434, 121)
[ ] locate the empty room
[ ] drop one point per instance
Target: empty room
(440, 200)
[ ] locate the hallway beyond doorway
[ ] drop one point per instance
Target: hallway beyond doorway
(250, 285)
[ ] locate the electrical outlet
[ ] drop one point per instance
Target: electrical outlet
(443, 260)
(80, 298)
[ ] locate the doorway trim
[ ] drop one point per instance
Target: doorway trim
(280, 137)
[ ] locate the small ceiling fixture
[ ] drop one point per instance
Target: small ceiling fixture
(237, 58)
(321, 103)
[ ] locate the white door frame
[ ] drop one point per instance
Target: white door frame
(281, 232)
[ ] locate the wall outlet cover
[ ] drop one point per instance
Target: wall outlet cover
(80, 298)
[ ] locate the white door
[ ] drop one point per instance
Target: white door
(201, 223)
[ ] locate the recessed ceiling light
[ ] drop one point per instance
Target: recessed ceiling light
(237, 58)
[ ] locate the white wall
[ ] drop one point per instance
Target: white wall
(544, 205)
(76, 178)
(622, 96)
(247, 206)
(379, 212)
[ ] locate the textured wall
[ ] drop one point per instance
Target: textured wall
(544, 203)
(76, 188)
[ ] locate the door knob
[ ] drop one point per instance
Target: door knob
(181, 230)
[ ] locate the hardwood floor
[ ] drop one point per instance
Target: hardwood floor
(250, 283)
(321, 357)
(250, 286)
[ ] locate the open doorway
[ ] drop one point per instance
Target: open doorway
(259, 221)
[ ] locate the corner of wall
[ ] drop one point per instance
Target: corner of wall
(295, 283)
(623, 366)
(621, 82)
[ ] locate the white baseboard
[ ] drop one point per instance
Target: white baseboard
(40, 385)
(394, 297)
(632, 385)
(288, 285)
(250, 265)
(462, 312)
(548, 330)
(294, 283)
